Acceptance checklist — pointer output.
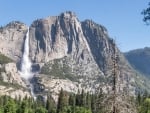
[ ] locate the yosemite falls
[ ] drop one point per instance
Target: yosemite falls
(26, 63)
(26, 72)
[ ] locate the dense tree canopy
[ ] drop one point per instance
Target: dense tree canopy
(146, 13)
(67, 103)
(81, 102)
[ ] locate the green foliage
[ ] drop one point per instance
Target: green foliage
(58, 69)
(62, 101)
(41, 110)
(88, 101)
(23, 107)
(27, 105)
(82, 110)
(4, 59)
(72, 99)
(67, 103)
(145, 107)
(1, 110)
(13, 85)
(93, 103)
(143, 102)
(69, 109)
(10, 107)
(146, 13)
(50, 104)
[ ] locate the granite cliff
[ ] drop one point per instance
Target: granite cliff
(69, 54)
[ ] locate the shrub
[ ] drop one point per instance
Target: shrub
(4, 59)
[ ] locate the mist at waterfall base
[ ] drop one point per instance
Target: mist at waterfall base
(26, 64)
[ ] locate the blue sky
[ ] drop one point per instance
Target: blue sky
(122, 18)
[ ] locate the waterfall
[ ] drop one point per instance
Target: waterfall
(26, 72)
(26, 63)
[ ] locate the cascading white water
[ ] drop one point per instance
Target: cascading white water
(26, 63)
(26, 72)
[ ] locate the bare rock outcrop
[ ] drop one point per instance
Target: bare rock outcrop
(14, 92)
(11, 83)
(68, 54)
(11, 74)
(12, 39)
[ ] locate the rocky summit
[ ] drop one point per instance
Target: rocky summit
(70, 54)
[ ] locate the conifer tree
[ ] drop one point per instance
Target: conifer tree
(10, 107)
(50, 105)
(41, 110)
(62, 101)
(1, 101)
(139, 99)
(78, 98)
(93, 103)
(146, 13)
(72, 101)
(83, 98)
(23, 108)
(88, 101)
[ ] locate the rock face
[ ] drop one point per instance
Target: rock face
(11, 83)
(11, 74)
(59, 42)
(13, 92)
(56, 37)
(69, 54)
(12, 39)
(84, 47)
(140, 60)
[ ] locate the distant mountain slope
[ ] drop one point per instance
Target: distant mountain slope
(140, 60)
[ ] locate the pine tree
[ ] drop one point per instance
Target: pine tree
(5, 99)
(146, 13)
(62, 101)
(93, 103)
(1, 101)
(88, 101)
(145, 108)
(139, 99)
(1, 110)
(10, 107)
(41, 110)
(23, 108)
(83, 99)
(50, 105)
(78, 99)
(72, 102)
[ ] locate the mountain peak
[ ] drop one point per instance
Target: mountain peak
(15, 24)
(65, 50)
(68, 14)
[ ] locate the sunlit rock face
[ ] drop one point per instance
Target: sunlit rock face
(63, 52)
(12, 38)
(84, 47)
(11, 45)
(11, 82)
(56, 37)
(60, 40)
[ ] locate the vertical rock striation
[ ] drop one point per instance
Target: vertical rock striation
(72, 55)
